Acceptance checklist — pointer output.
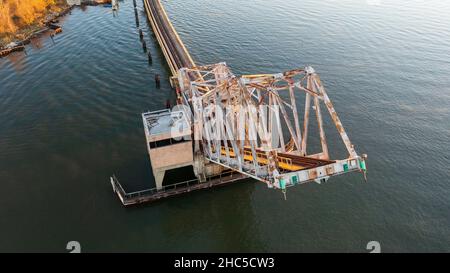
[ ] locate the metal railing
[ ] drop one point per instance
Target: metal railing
(142, 193)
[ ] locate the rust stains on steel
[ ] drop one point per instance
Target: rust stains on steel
(247, 121)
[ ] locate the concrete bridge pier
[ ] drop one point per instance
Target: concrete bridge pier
(159, 178)
(169, 143)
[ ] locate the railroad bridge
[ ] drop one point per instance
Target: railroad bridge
(229, 128)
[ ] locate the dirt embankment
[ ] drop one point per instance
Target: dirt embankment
(21, 18)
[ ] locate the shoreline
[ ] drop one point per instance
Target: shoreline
(14, 43)
(31, 31)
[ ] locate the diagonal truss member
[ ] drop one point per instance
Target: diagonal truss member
(251, 124)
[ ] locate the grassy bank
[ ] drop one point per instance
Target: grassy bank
(21, 18)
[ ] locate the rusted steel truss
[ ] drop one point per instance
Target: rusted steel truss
(251, 124)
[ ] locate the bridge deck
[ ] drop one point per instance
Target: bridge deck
(171, 45)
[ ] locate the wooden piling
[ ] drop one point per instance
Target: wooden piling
(150, 59)
(158, 80)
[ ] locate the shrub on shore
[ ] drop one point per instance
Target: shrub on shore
(18, 15)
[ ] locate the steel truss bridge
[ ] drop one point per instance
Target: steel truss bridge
(248, 124)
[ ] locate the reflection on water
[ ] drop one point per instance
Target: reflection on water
(18, 61)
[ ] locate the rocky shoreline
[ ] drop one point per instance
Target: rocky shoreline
(23, 36)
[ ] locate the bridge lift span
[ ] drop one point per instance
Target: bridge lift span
(241, 123)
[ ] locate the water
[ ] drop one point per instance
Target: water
(70, 117)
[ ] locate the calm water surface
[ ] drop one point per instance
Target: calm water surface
(70, 117)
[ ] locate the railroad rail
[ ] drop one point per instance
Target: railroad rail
(170, 43)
